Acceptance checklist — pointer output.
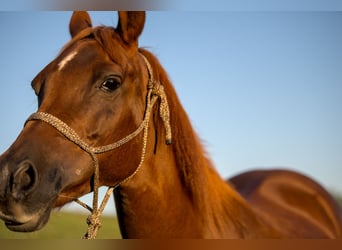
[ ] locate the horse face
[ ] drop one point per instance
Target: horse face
(97, 87)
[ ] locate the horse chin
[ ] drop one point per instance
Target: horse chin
(29, 223)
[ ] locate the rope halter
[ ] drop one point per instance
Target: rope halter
(155, 91)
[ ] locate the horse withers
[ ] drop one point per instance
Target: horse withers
(109, 116)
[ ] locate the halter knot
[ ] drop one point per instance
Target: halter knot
(94, 224)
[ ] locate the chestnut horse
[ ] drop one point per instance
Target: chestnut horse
(102, 89)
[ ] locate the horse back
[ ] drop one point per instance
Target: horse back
(293, 204)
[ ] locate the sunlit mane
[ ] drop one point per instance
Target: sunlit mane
(191, 158)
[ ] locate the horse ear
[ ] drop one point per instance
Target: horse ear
(79, 21)
(130, 25)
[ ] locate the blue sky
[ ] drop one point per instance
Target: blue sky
(263, 89)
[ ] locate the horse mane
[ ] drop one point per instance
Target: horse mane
(191, 159)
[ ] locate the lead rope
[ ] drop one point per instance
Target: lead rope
(155, 91)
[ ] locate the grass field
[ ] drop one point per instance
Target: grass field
(65, 225)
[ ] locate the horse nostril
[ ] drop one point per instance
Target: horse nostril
(23, 180)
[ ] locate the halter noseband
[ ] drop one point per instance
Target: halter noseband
(155, 91)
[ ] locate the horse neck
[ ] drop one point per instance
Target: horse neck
(177, 193)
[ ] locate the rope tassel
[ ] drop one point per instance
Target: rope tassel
(158, 90)
(164, 111)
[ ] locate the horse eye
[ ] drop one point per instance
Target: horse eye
(110, 84)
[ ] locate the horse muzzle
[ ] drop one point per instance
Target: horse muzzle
(34, 172)
(15, 188)
(21, 222)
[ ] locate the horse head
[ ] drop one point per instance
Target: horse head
(97, 85)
